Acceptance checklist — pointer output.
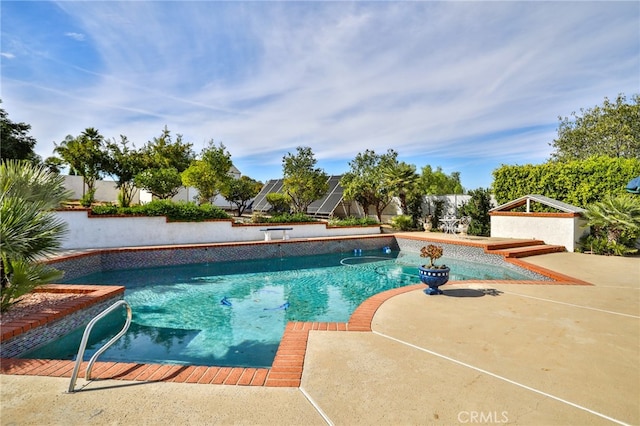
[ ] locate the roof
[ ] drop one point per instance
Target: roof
(550, 202)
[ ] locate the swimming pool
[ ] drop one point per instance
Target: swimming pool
(234, 313)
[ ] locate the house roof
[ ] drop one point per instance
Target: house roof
(550, 202)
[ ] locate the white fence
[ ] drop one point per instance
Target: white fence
(108, 232)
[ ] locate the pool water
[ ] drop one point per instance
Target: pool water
(234, 313)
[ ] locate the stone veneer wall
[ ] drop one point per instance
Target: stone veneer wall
(38, 336)
(112, 259)
(474, 254)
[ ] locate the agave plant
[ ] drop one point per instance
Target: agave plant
(28, 229)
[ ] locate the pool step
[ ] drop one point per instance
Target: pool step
(525, 248)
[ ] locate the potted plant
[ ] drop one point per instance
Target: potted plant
(433, 275)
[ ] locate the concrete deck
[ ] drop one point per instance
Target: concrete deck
(481, 353)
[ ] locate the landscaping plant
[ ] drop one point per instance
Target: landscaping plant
(28, 230)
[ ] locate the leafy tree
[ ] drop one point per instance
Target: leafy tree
(365, 182)
(209, 174)
(477, 208)
(124, 163)
(439, 183)
(54, 164)
(612, 129)
(15, 142)
(240, 191)
(28, 228)
(161, 183)
(164, 160)
(303, 182)
(163, 152)
(85, 154)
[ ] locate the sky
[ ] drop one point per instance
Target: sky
(465, 86)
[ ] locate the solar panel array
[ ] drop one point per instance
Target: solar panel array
(323, 207)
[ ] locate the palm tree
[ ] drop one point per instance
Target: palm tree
(615, 216)
(85, 156)
(28, 229)
(402, 179)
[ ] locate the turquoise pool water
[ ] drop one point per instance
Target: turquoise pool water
(234, 313)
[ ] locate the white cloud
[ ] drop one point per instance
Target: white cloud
(453, 81)
(75, 36)
(7, 55)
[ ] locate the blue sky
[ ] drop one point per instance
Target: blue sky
(466, 86)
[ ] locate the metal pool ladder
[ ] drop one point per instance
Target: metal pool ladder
(85, 338)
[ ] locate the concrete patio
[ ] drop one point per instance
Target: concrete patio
(480, 354)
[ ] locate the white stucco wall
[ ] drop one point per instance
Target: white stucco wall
(563, 229)
(105, 190)
(109, 232)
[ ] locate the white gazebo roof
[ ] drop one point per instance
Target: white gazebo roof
(550, 202)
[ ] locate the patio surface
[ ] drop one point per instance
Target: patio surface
(481, 353)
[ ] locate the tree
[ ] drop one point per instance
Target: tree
(86, 156)
(401, 179)
(163, 152)
(477, 208)
(28, 229)
(365, 182)
(303, 182)
(240, 191)
(164, 160)
(612, 129)
(161, 183)
(15, 142)
(439, 183)
(210, 173)
(123, 164)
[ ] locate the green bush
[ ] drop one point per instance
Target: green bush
(290, 218)
(353, 221)
(402, 222)
(180, 211)
(107, 209)
(279, 202)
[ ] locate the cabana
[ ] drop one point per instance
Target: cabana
(564, 226)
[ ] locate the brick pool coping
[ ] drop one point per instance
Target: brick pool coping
(287, 367)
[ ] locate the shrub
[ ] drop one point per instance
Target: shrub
(353, 221)
(402, 222)
(279, 202)
(181, 211)
(290, 218)
(577, 182)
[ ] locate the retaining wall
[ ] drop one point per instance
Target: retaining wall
(86, 231)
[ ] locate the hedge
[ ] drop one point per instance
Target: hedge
(578, 182)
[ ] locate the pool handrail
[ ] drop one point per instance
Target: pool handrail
(85, 338)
